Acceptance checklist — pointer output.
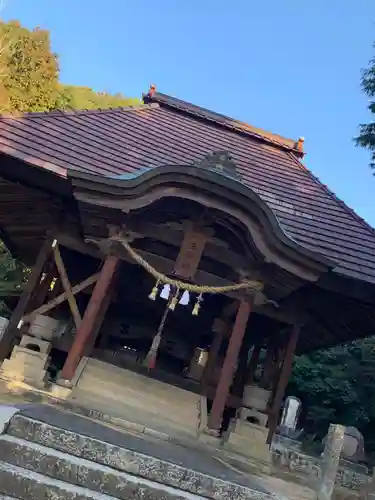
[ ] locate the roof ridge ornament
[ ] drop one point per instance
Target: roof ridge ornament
(220, 162)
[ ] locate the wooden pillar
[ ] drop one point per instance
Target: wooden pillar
(90, 318)
(285, 372)
(89, 345)
(23, 302)
(219, 332)
(229, 365)
(253, 364)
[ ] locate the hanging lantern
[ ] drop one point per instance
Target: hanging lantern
(154, 291)
(197, 305)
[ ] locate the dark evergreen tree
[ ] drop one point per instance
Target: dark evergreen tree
(366, 136)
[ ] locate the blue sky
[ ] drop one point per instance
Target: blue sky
(289, 66)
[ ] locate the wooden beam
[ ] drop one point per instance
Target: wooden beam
(284, 314)
(175, 237)
(162, 264)
(79, 246)
(66, 284)
(61, 298)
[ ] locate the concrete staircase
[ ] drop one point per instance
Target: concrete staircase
(39, 459)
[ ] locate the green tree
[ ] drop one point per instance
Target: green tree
(366, 136)
(337, 386)
(29, 70)
(74, 97)
(29, 76)
(13, 275)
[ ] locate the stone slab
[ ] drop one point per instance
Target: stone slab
(26, 485)
(32, 382)
(83, 473)
(6, 413)
(18, 372)
(124, 451)
(20, 352)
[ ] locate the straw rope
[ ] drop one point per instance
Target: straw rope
(254, 286)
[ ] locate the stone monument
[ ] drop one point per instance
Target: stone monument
(287, 436)
(353, 449)
(330, 461)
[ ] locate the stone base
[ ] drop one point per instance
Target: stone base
(250, 440)
(28, 365)
(125, 394)
(60, 392)
(209, 439)
(247, 413)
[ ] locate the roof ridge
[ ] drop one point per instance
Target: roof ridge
(225, 121)
(54, 112)
(332, 195)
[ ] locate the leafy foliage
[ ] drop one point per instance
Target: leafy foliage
(29, 76)
(337, 386)
(29, 70)
(366, 137)
(85, 98)
(13, 275)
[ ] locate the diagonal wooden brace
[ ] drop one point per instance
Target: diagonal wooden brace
(66, 284)
(61, 298)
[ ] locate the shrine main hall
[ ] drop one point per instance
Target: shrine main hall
(179, 259)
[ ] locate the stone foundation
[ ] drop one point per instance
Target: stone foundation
(120, 392)
(28, 362)
(249, 433)
(250, 440)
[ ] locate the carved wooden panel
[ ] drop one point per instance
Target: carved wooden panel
(191, 252)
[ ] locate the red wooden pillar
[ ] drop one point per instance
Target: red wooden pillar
(90, 317)
(229, 365)
(24, 300)
(285, 372)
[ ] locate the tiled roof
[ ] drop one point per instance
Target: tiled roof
(171, 132)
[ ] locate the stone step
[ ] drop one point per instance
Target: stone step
(83, 473)
(23, 484)
(117, 458)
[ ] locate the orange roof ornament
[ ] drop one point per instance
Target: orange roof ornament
(300, 144)
(147, 98)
